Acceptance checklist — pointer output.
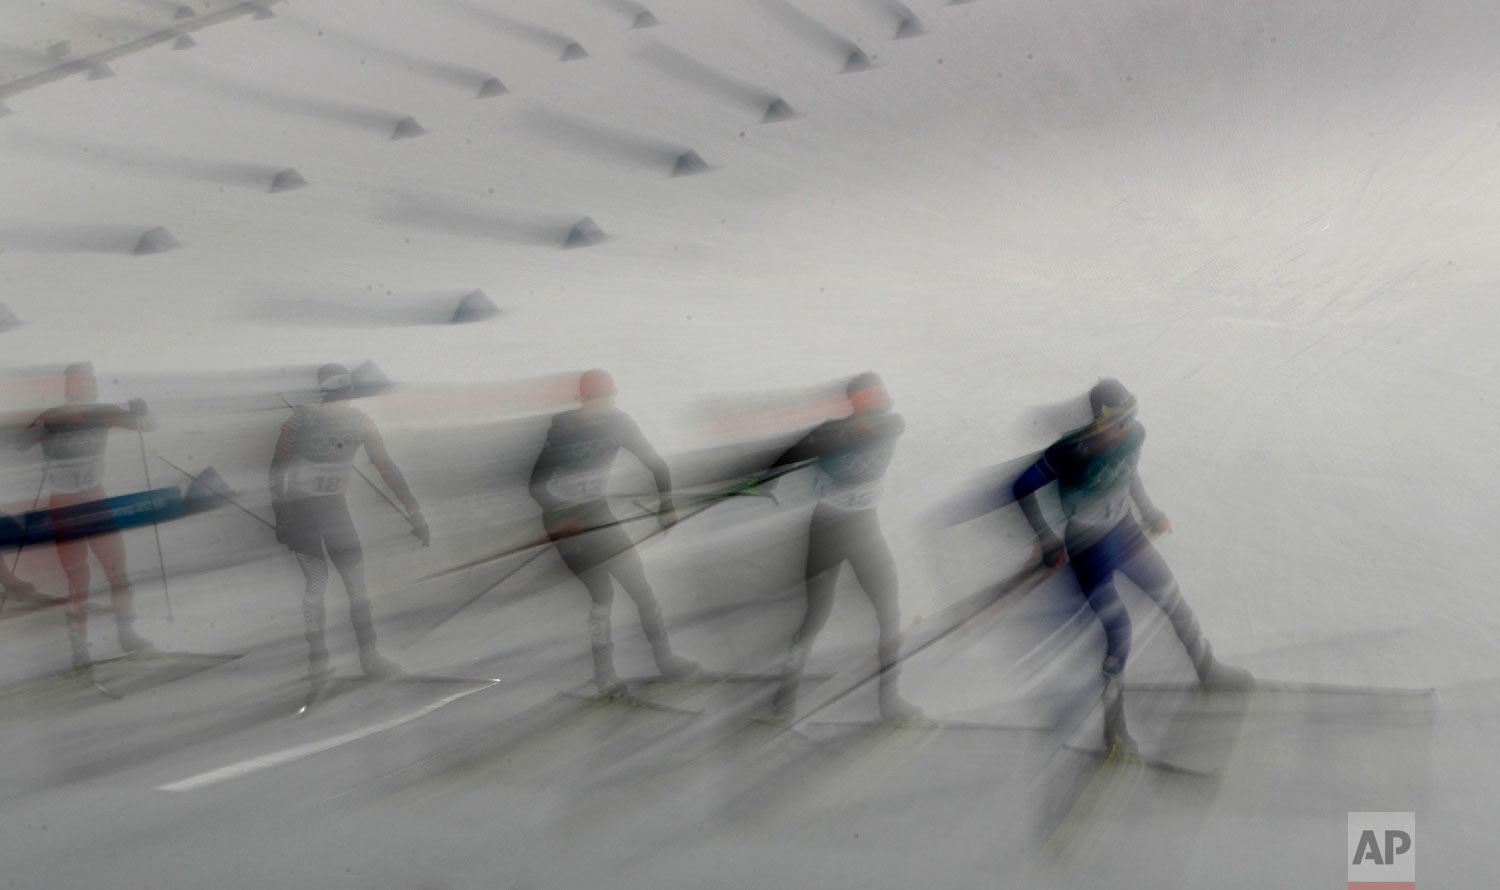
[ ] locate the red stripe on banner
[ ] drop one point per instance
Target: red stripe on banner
(1382, 885)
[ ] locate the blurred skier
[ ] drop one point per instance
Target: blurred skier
(309, 476)
(568, 482)
(1095, 470)
(849, 456)
(73, 436)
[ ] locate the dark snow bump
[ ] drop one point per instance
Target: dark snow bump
(585, 233)
(777, 110)
(286, 180)
(475, 307)
(910, 27)
(688, 163)
(158, 240)
(407, 128)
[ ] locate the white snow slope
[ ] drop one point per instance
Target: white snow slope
(1274, 221)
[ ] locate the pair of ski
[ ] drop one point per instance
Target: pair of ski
(85, 675)
(1134, 757)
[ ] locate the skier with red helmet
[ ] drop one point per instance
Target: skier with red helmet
(73, 437)
(849, 457)
(568, 482)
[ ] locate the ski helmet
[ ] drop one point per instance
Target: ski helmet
(79, 385)
(1110, 399)
(595, 384)
(335, 380)
(866, 392)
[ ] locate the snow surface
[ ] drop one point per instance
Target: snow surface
(1273, 221)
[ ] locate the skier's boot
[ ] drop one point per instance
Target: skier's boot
(79, 644)
(784, 702)
(603, 651)
(894, 708)
(675, 667)
(1117, 741)
(670, 665)
(1215, 674)
(131, 641)
(318, 672)
(377, 666)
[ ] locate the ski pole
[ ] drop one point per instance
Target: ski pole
(1024, 580)
(231, 501)
(380, 491)
(476, 597)
(161, 560)
(698, 507)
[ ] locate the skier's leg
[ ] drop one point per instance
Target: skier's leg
(1149, 572)
(350, 562)
(601, 644)
(74, 557)
(315, 572)
(625, 567)
(584, 557)
(1095, 567)
(336, 528)
(1105, 601)
(825, 554)
(875, 567)
(109, 549)
(1117, 740)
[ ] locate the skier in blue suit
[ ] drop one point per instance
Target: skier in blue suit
(1095, 471)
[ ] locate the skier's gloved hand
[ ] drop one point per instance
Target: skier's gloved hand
(419, 528)
(1157, 523)
(1054, 553)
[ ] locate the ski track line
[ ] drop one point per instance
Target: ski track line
(299, 752)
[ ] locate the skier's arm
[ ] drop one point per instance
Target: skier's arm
(380, 456)
(33, 433)
(282, 455)
(805, 450)
(541, 473)
(1155, 520)
(135, 416)
(632, 440)
(1024, 489)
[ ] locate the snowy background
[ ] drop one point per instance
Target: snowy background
(1273, 221)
